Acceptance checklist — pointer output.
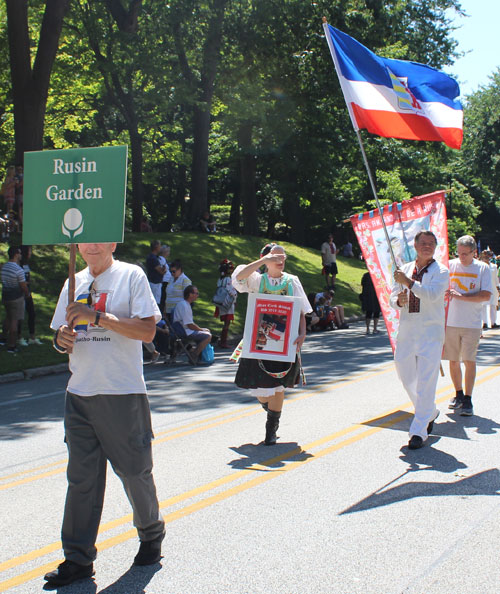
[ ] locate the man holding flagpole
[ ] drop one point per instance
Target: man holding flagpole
(418, 294)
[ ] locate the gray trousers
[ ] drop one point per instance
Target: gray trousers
(100, 428)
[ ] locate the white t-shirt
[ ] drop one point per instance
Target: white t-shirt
(104, 362)
(328, 253)
(252, 285)
(168, 275)
(494, 283)
(183, 313)
(468, 279)
(175, 291)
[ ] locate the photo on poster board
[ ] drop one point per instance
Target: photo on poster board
(271, 327)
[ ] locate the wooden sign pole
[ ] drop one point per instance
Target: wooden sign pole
(71, 273)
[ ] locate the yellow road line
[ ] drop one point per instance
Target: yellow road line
(193, 428)
(36, 469)
(188, 510)
(207, 502)
(175, 499)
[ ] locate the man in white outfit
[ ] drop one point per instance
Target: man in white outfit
(490, 307)
(419, 296)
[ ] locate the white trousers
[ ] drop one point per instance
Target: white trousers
(419, 375)
(489, 312)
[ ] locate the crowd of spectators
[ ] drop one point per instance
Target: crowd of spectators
(175, 295)
(326, 314)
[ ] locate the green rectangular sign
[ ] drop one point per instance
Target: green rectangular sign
(74, 195)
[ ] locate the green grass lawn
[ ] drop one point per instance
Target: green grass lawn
(200, 254)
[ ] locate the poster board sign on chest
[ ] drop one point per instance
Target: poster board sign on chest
(271, 327)
(74, 195)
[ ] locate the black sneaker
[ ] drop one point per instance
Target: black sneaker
(68, 572)
(456, 402)
(430, 426)
(415, 443)
(149, 551)
(467, 409)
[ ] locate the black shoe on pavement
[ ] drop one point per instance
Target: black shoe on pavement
(149, 552)
(415, 443)
(68, 572)
(467, 409)
(456, 402)
(430, 426)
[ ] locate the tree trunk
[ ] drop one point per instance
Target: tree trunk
(296, 220)
(30, 87)
(293, 209)
(234, 215)
(247, 180)
(198, 202)
(137, 185)
(201, 113)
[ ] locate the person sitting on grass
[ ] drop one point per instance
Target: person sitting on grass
(326, 315)
(208, 223)
(183, 321)
(338, 310)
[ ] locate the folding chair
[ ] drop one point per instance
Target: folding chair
(179, 341)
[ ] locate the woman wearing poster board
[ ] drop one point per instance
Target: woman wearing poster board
(267, 380)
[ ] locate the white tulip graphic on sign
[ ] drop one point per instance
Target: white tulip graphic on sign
(72, 224)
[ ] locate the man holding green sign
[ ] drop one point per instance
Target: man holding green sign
(103, 315)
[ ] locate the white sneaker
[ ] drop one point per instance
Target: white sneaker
(22, 342)
(155, 356)
(34, 341)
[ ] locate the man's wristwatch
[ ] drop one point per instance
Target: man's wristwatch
(57, 346)
(97, 318)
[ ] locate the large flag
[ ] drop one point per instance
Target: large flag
(396, 98)
(403, 221)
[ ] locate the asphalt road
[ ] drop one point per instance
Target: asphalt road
(339, 506)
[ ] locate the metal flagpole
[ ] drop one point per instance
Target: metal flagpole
(374, 191)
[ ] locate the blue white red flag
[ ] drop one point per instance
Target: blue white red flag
(396, 98)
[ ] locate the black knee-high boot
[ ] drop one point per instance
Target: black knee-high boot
(272, 424)
(264, 405)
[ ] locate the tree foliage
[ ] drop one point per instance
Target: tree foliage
(237, 104)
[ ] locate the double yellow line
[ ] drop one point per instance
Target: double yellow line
(266, 471)
(59, 466)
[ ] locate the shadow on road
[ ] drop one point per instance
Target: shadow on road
(454, 426)
(134, 581)
(251, 454)
(327, 357)
(486, 482)
(86, 586)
